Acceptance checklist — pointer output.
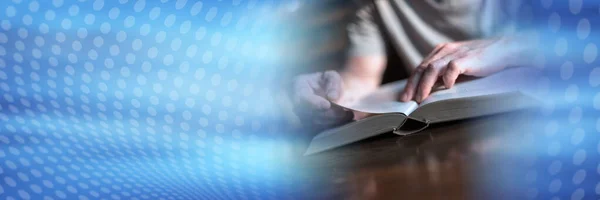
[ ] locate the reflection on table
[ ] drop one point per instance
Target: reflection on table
(479, 158)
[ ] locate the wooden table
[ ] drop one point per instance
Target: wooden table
(479, 158)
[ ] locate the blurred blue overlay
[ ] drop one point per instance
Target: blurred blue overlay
(178, 99)
(566, 141)
(140, 99)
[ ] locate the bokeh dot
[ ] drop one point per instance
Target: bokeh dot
(168, 60)
(546, 3)
(578, 136)
(554, 148)
(98, 5)
(566, 70)
(200, 33)
(114, 13)
(73, 10)
(129, 21)
(34, 6)
(579, 176)
(139, 5)
(210, 15)
(207, 57)
(105, 28)
(145, 29)
(136, 44)
(555, 186)
(561, 47)
(579, 157)
(121, 36)
(575, 6)
(176, 44)
(57, 3)
(50, 15)
(598, 129)
(583, 28)
(154, 13)
(596, 101)
(554, 22)
(89, 19)
(170, 20)
(578, 194)
(590, 52)
(571, 93)
(82, 33)
(594, 77)
(160, 36)
(10, 11)
(191, 51)
(575, 115)
(196, 8)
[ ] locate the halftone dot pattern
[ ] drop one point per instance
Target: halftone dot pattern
(568, 147)
(138, 99)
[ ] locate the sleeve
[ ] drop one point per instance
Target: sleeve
(363, 33)
(501, 17)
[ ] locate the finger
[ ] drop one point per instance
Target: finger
(314, 81)
(333, 116)
(312, 102)
(333, 85)
(435, 51)
(443, 50)
(481, 65)
(305, 95)
(428, 79)
(411, 85)
(336, 113)
(453, 70)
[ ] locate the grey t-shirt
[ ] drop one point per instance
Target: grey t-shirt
(415, 27)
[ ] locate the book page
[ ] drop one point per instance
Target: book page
(509, 80)
(384, 100)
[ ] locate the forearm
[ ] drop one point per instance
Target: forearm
(522, 48)
(364, 72)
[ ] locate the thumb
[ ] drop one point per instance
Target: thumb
(477, 67)
(333, 85)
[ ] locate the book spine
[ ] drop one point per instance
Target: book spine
(410, 126)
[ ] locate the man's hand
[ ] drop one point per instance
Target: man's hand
(312, 93)
(447, 61)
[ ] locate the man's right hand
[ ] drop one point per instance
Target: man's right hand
(312, 96)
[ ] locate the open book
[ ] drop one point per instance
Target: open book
(505, 91)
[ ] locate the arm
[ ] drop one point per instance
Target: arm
(361, 75)
(364, 69)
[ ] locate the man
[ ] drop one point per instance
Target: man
(437, 40)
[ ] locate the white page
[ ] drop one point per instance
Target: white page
(509, 80)
(384, 100)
